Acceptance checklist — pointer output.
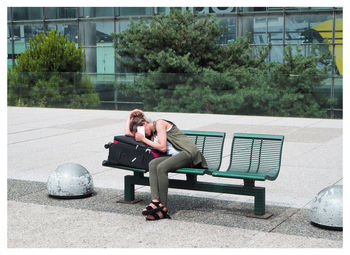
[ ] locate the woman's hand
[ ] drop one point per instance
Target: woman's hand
(139, 137)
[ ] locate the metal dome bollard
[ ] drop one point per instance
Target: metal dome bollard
(70, 180)
(327, 208)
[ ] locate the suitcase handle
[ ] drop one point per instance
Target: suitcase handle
(107, 145)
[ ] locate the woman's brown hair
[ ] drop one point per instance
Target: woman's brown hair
(137, 120)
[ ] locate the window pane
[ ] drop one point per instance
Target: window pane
(60, 12)
(260, 29)
(9, 63)
(255, 26)
(105, 57)
(338, 48)
(22, 34)
(251, 9)
(8, 13)
(85, 12)
(338, 92)
(92, 32)
(31, 30)
(9, 40)
(338, 56)
(159, 10)
(275, 8)
(276, 54)
(321, 8)
(68, 29)
(121, 25)
(274, 29)
(9, 47)
(230, 34)
(103, 31)
(134, 11)
(27, 13)
(308, 28)
(306, 49)
(19, 38)
(98, 45)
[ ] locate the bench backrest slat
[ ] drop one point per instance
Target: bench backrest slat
(210, 144)
(254, 153)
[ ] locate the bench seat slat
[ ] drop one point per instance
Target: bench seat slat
(240, 175)
(259, 136)
(197, 171)
(203, 133)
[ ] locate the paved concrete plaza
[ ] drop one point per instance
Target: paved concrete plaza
(40, 139)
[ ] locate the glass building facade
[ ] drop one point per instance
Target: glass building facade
(91, 27)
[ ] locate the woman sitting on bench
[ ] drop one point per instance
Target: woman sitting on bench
(181, 152)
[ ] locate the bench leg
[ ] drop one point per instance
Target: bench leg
(129, 188)
(129, 191)
(259, 202)
(259, 205)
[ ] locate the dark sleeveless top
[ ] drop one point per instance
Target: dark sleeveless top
(182, 143)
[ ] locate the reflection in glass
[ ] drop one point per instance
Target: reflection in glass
(92, 32)
(23, 33)
(60, 12)
(68, 29)
(86, 12)
(27, 13)
(304, 28)
(276, 54)
(338, 48)
(134, 11)
(274, 29)
(230, 34)
(123, 24)
(9, 40)
(159, 10)
(105, 58)
(30, 30)
(256, 26)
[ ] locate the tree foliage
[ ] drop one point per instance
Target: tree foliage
(187, 70)
(176, 43)
(48, 73)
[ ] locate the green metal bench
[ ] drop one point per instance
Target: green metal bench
(253, 157)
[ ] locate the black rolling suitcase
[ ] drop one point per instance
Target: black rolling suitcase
(126, 151)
